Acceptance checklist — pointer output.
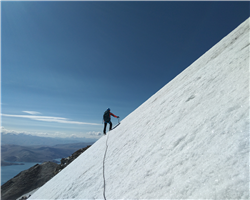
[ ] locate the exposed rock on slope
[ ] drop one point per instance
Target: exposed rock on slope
(66, 161)
(28, 180)
(35, 177)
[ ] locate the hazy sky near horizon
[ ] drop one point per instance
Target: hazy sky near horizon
(64, 63)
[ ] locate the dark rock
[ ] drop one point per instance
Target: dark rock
(28, 180)
(35, 177)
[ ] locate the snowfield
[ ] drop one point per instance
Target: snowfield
(190, 140)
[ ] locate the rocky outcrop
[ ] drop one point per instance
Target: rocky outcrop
(34, 177)
(28, 180)
(66, 161)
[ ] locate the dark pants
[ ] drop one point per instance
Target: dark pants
(105, 125)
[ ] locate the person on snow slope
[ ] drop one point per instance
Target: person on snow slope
(107, 119)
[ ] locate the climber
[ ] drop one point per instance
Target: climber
(106, 119)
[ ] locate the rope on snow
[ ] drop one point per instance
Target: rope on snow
(104, 183)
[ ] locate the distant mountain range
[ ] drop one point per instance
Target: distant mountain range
(38, 153)
(28, 140)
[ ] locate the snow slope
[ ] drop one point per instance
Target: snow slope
(190, 140)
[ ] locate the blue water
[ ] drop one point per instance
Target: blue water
(8, 172)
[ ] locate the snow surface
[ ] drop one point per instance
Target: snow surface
(190, 140)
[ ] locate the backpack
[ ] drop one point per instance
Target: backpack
(106, 116)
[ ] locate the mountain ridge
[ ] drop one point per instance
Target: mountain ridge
(31, 179)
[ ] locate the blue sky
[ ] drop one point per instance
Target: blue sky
(64, 63)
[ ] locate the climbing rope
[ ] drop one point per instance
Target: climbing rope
(104, 183)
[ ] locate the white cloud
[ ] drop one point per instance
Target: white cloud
(50, 119)
(94, 133)
(52, 134)
(6, 131)
(32, 112)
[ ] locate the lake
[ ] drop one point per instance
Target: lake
(8, 172)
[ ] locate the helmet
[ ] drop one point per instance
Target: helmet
(108, 109)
